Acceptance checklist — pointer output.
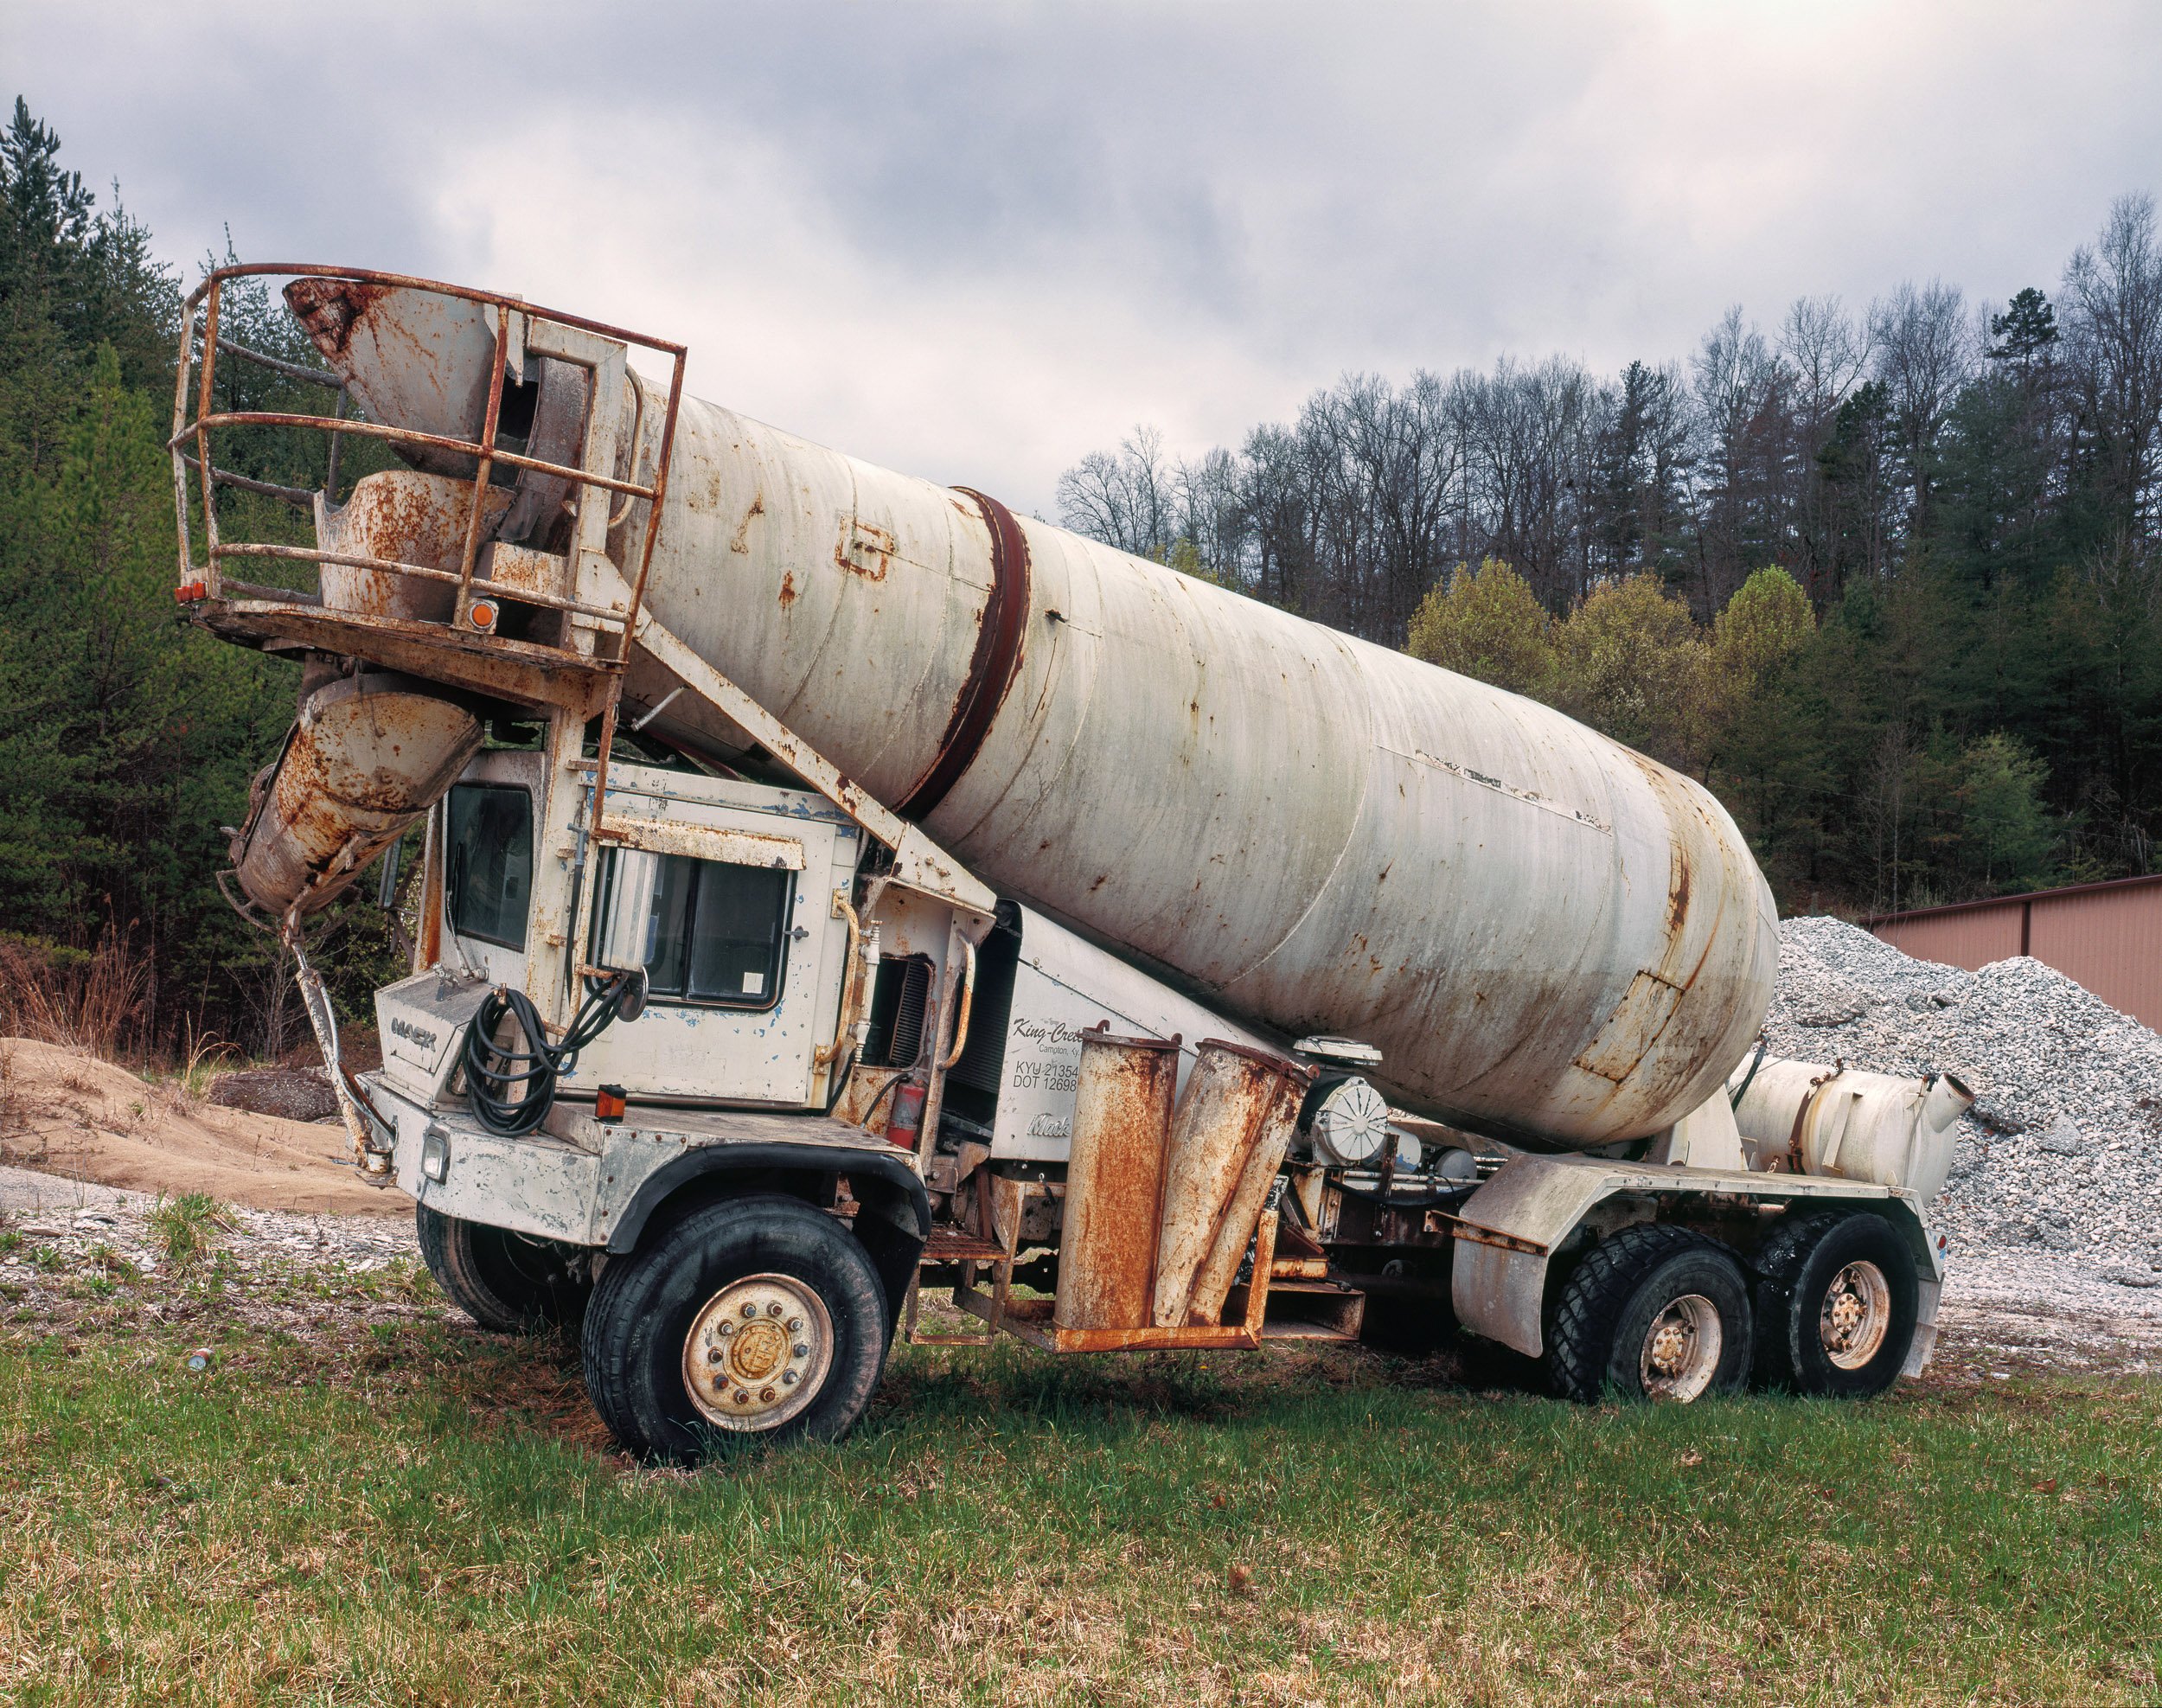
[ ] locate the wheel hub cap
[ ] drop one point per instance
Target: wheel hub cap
(1681, 1349)
(1856, 1316)
(758, 1352)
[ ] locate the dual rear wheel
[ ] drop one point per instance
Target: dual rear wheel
(1662, 1313)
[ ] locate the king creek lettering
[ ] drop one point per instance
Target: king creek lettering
(1048, 1032)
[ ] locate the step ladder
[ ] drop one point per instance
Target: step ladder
(949, 1246)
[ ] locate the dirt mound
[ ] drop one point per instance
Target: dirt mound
(291, 1093)
(70, 1114)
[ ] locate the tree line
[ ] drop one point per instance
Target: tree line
(1888, 581)
(1963, 496)
(127, 737)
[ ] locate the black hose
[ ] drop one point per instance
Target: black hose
(512, 1090)
(1762, 1044)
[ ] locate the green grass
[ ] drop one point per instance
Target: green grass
(409, 1513)
(185, 1227)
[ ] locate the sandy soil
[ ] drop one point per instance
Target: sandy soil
(71, 1115)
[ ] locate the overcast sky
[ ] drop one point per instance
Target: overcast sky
(975, 242)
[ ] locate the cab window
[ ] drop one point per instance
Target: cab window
(490, 869)
(717, 934)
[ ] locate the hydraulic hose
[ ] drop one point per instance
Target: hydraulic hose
(511, 1090)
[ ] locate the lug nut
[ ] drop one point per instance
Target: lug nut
(715, 1355)
(795, 1325)
(742, 1398)
(788, 1378)
(749, 1309)
(800, 1350)
(767, 1395)
(773, 1309)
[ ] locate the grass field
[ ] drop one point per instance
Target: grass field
(410, 1512)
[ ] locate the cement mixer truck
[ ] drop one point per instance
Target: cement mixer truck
(833, 887)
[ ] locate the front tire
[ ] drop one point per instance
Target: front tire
(753, 1316)
(505, 1282)
(1654, 1313)
(1838, 1296)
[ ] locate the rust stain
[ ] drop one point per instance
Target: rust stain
(740, 544)
(1121, 1123)
(865, 549)
(328, 308)
(788, 589)
(994, 662)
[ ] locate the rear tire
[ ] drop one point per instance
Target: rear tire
(1838, 1296)
(754, 1316)
(1654, 1313)
(505, 1282)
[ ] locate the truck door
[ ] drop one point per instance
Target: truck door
(742, 965)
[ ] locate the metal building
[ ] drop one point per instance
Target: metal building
(2106, 936)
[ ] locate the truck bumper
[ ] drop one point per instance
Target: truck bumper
(587, 1183)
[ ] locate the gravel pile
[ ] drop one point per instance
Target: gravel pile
(2063, 1147)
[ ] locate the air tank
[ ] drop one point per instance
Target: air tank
(1549, 936)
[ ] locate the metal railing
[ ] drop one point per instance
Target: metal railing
(471, 614)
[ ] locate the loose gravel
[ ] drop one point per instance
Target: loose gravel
(2062, 1150)
(74, 1254)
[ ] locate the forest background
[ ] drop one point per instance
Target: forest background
(1887, 580)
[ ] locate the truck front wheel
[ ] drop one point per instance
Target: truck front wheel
(504, 1280)
(1654, 1313)
(753, 1316)
(1837, 1299)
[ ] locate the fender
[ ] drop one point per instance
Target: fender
(893, 1226)
(1507, 1233)
(902, 1191)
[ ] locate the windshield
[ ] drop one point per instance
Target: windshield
(491, 862)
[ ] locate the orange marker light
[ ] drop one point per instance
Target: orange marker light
(609, 1102)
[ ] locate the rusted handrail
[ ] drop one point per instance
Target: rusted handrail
(301, 497)
(291, 370)
(277, 418)
(414, 282)
(485, 451)
(399, 566)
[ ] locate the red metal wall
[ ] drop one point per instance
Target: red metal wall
(1968, 937)
(2110, 941)
(2106, 936)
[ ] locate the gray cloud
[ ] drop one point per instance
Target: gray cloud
(975, 241)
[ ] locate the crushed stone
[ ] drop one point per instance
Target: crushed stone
(2062, 1150)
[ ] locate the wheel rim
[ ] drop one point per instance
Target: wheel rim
(1857, 1315)
(758, 1352)
(1681, 1349)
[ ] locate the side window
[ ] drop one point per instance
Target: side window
(718, 934)
(491, 868)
